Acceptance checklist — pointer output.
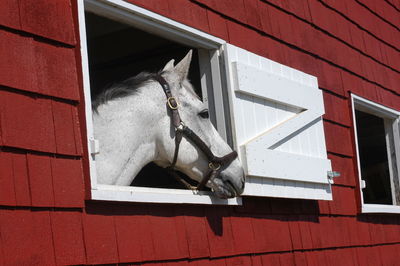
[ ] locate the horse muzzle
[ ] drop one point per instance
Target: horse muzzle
(225, 186)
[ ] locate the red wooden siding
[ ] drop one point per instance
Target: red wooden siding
(351, 46)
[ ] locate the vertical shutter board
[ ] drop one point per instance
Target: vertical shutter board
(243, 56)
(306, 142)
(284, 129)
(314, 138)
(254, 60)
(289, 188)
(260, 117)
(276, 68)
(239, 119)
(319, 127)
(248, 113)
(255, 116)
(266, 65)
(254, 186)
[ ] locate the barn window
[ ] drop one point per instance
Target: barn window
(378, 153)
(268, 112)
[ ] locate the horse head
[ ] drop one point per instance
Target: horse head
(134, 127)
(191, 159)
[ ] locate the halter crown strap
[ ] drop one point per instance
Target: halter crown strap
(172, 104)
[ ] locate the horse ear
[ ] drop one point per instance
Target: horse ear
(169, 66)
(182, 68)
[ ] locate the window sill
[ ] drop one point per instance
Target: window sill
(158, 195)
(379, 208)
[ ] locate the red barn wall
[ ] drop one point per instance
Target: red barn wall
(351, 46)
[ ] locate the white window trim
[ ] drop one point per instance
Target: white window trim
(368, 106)
(151, 22)
(379, 208)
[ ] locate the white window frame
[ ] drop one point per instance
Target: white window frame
(388, 114)
(208, 47)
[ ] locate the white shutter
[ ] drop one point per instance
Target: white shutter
(277, 127)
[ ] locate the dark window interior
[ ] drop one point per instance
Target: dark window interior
(118, 51)
(373, 158)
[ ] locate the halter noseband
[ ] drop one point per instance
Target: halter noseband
(215, 163)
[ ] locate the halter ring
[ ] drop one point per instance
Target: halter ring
(171, 105)
(214, 166)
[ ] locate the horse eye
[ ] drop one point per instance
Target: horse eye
(204, 114)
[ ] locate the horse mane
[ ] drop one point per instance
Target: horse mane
(123, 88)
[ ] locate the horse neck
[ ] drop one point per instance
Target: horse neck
(127, 129)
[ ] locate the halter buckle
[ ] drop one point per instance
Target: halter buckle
(180, 127)
(171, 101)
(214, 166)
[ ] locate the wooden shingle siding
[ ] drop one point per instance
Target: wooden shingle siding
(68, 239)
(350, 46)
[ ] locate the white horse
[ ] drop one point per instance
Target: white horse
(133, 125)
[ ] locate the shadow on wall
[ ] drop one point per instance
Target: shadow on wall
(382, 219)
(259, 208)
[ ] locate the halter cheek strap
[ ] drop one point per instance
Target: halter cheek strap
(216, 164)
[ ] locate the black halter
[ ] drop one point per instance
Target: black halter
(215, 163)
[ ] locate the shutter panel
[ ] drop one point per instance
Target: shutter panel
(277, 127)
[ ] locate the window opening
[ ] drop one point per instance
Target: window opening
(377, 134)
(374, 162)
(118, 51)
